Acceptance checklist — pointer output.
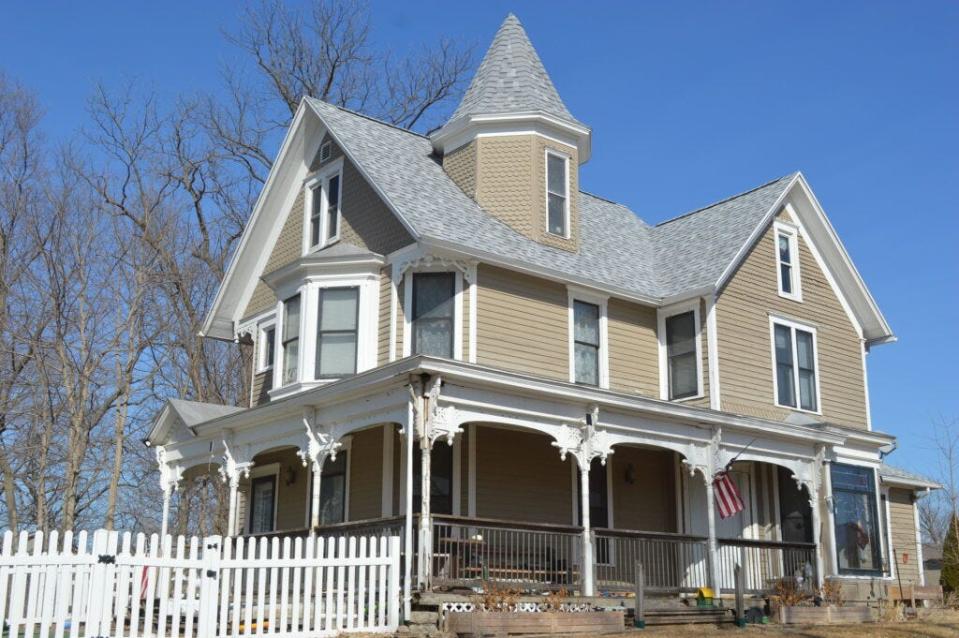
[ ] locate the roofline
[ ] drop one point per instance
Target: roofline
(722, 201)
(402, 369)
(441, 137)
(903, 481)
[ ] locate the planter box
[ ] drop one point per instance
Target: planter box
(826, 615)
(478, 624)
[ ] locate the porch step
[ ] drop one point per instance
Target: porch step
(687, 616)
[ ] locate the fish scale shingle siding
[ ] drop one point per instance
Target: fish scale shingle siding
(460, 165)
(745, 357)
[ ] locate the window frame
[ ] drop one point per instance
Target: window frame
(280, 353)
(272, 472)
(782, 229)
(404, 277)
(319, 182)
(793, 327)
(567, 232)
(880, 540)
(662, 314)
(356, 331)
(601, 301)
(452, 318)
(262, 344)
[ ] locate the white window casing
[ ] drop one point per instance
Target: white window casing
(789, 283)
(547, 191)
(793, 327)
(407, 287)
(575, 294)
(319, 184)
(662, 314)
(263, 345)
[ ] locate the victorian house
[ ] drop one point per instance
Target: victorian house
(455, 343)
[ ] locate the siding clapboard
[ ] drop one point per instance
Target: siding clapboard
(903, 525)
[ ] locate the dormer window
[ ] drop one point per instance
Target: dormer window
(787, 262)
(291, 339)
(557, 193)
(324, 194)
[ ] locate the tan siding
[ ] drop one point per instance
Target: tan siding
(460, 165)
(903, 523)
(400, 317)
(519, 476)
(383, 330)
(745, 359)
(262, 383)
(649, 502)
(366, 474)
(288, 247)
(511, 184)
(633, 348)
(522, 323)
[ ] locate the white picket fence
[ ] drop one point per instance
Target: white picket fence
(122, 586)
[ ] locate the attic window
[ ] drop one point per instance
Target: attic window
(787, 262)
(557, 194)
(326, 150)
(323, 205)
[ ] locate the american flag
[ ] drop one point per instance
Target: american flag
(728, 499)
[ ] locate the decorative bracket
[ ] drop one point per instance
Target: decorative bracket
(170, 475)
(441, 421)
(585, 442)
(422, 262)
(320, 441)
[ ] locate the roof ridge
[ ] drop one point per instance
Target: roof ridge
(727, 199)
(369, 117)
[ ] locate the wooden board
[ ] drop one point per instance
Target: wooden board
(485, 623)
(826, 615)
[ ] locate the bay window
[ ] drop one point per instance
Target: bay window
(858, 544)
(337, 332)
(795, 377)
(433, 314)
(586, 342)
(291, 339)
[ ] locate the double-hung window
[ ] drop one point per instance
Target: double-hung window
(858, 544)
(787, 262)
(337, 332)
(267, 348)
(433, 314)
(796, 382)
(586, 342)
(557, 194)
(682, 362)
(262, 504)
(291, 339)
(325, 194)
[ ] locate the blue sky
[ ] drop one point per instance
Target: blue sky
(689, 102)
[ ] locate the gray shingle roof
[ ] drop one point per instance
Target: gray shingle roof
(194, 412)
(511, 78)
(617, 249)
(893, 474)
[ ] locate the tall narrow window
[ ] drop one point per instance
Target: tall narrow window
(333, 208)
(557, 194)
(795, 352)
(858, 546)
(262, 504)
(333, 490)
(267, 347)
(586, 342)
(336, 334)
(433, 295)
(682, 363)
(316, 214)
(291, 339)
(787, 255)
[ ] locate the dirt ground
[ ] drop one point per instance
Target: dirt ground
(934, 624)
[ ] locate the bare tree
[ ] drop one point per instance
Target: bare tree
(941, 506)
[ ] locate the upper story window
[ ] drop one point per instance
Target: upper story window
(291, 339)
(787, 261)
(433, 313)
(557, 194)
(586, 343)
(266, 347)
(858, 544)
(681, 357)
(337, 332)
(325, 194)
(796, 377)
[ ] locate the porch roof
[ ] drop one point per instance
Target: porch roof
(892, 475)
(398, 373)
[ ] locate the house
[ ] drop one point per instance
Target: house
(454, 342)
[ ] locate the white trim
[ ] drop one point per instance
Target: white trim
(465, 129)
(915, 517)
(457, 306)
(833, 555)
(662, 314)
(777, 507)
(321, 180)
(471, 471)
(890, 547)
(574, 477)
(775, 320)
(865, 385)
(473, 289)
(259, 471)
(791, 233)
(566, 208)
(575, 294)
(386, 490)
(456, 483)
(712, 353)
(261, 344)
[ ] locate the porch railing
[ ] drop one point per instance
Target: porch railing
(765, 562)
(672, 562)
(468, 551)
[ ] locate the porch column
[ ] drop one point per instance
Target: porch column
(816, 532)
(165, 522)
(713, 546)
(232, 527)
(586, 577)
(169, 478)
(408, 527)
(317, 468)
(426, 528)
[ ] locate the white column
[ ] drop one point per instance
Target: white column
(317, 467)
(816, 532)
(408, 528)
(232, 525)
(586, 577)
(711, 531)
(165, 522)
(425, 521)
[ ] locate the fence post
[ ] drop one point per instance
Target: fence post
(394, 592)
(740, 596)
(209, 586)
(639, 614)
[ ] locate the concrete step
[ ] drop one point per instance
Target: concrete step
(688, 616)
